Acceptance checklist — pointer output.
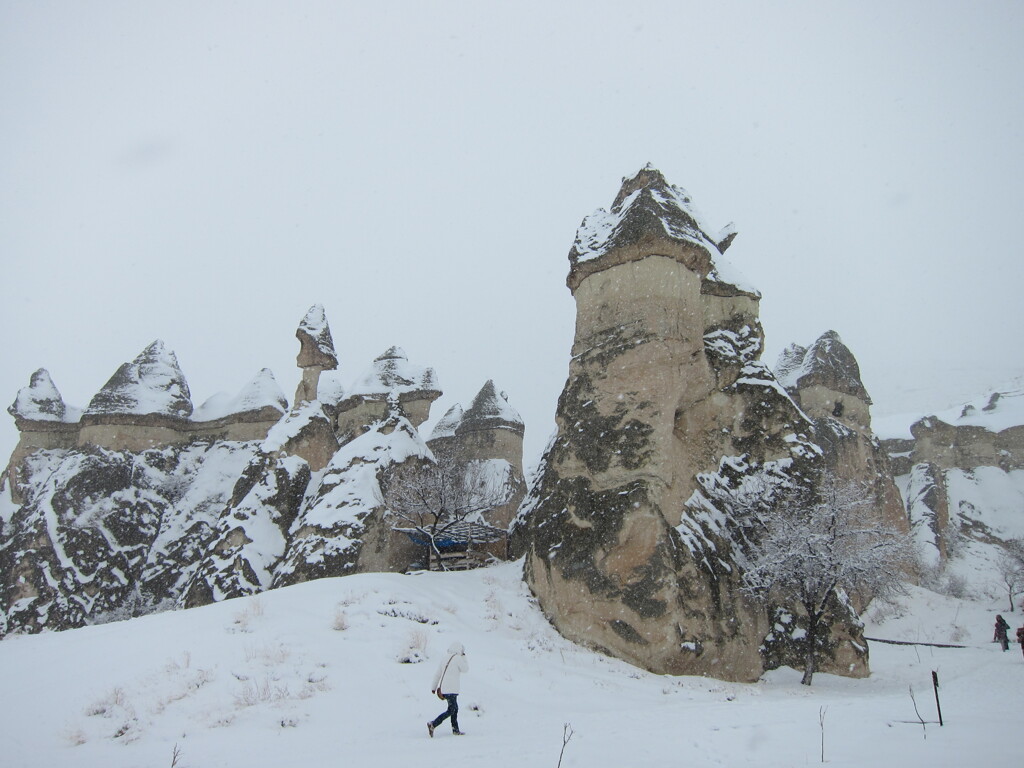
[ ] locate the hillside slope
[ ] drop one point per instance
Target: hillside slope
(313, 674)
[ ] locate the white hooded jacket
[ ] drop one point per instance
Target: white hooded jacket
(451, 669)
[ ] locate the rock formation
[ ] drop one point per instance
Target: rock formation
(44, 423)
(959, 472)
(825, 382)
(142, 503)
(631, 542)
(316, 352)
(391, 376)
(490, 436)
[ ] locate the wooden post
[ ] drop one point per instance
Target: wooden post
(935, 686)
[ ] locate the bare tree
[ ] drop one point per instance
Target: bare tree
(812, 546)
(1010, 567)
(433, 497)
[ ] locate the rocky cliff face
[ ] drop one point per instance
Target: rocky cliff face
(668, 416)
(961, 473)
(142, 502)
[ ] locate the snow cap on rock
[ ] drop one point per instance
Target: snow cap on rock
(41, 401)
(491, 410)
(392, 372)
(788, 367)
(997, 410)
(648, 217)
(261, 392)
(828, 363)
(316, 345)
(448, 423)
(330, 389)
(151, 384)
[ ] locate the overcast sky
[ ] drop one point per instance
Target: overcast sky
(204, 172)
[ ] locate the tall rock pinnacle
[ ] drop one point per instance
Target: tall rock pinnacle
(666, 411)
(316, 352)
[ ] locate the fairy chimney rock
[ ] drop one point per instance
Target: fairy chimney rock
(316, 352)
(41, 402)
(391, 378)
(825, 381)
(44, 422)
(825, 378)
(667, 408)
(145, 403)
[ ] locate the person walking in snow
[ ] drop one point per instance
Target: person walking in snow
(446, 686)
(1020, 638)
(1001, 629)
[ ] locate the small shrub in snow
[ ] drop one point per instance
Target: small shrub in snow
(105, 706)
(340, 621)
(174, 665)
(415, 648)
(315, 683)
(955, 586)
(882, 610)
(128, 731)
(494, 607)
(351, 599)
(269, 655)
(75, 737)
(539, 643)
(245, 618)
(260, 692)
(398, 612)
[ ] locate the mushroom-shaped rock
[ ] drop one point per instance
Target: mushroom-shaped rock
(316, 345)
(828, 363)
(41, 401)
(391, 378)
(392, 372)
(650, 216)
(152, 384)
(491, 410)
(631, 532)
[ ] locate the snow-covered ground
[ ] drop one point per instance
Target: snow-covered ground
(320, 674)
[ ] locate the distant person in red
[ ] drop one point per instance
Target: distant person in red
(446, 686)
(1001, 629)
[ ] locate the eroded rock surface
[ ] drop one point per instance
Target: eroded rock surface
(962, 476)
(632, 543)
(143, 503)
(825, 382)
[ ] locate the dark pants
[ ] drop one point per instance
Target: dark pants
(452, 712)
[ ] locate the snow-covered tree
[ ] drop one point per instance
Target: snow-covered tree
(433, 497)
(815, 547)
(1010, 567)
